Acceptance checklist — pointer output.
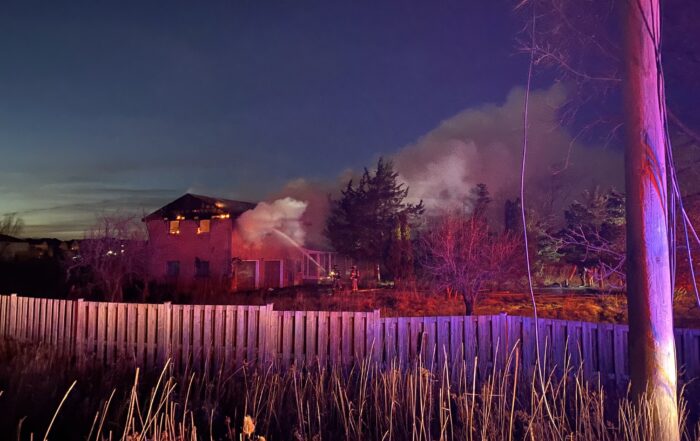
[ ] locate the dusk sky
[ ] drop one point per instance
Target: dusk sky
(128, 105)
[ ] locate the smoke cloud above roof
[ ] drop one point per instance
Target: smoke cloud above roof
(484, 145)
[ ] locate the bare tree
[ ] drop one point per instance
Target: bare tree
(608, 269)
(593, 238)
(462, 254)
(582, 42)
(11, 225)
(112, 255)
(586, 44)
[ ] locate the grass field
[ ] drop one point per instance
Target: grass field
(574, 305)
(43, 397)
(314, 403)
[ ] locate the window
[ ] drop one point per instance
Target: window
(172, 268)
(174, 227)
(203, 227)
(201, 268)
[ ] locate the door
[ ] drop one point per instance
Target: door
(247, 275)
(272, 273)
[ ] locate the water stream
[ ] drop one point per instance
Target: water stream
(300, 248)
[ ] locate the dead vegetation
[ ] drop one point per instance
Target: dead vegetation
(364, 402)
(573, 305)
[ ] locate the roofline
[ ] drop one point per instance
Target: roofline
(158, 213)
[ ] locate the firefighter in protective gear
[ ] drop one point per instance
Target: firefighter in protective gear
(354, 277)
(335, 276)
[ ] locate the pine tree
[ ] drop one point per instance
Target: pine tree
(511, 216)
(482, 199)
(400, 262)
(362, 222)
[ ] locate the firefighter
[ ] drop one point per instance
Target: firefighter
(335, 276)
(354, 277)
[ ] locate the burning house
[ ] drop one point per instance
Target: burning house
(243, 246)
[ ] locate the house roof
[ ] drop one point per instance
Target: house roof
(190, 206)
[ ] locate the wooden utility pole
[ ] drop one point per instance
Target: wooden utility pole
(649, 289)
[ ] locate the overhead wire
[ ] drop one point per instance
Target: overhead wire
(538, 351)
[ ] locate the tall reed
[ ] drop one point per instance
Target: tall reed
(311, 402)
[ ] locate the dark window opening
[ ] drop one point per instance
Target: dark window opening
(172, 268)
(201, 268)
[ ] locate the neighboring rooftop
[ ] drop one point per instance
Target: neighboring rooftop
(193, 206)
(6, 238)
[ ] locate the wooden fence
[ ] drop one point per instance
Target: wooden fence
(229, 336)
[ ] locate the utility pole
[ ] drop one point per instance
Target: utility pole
(652, 357)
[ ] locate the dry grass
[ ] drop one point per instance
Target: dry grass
(582, 306)
(306, 403)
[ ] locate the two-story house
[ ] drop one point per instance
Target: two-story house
(195, 239)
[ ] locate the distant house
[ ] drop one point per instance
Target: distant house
(195, 239)
(12, 248)
(16, 249)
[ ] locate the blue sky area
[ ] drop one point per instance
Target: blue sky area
(127, 105)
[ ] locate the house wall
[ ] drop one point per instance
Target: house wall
(186, 247)
(220, 247)
(270, 248)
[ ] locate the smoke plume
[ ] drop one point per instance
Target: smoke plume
(478, 145)
(317, 197)
(484, 145)
(268, 218)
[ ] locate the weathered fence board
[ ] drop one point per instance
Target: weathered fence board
(226, 337)
(322, 335)
(286, 320)
(429, 341)
(299, 319)
(310, 337)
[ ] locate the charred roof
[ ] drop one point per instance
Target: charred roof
(193, 206)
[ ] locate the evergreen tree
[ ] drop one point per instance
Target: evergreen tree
(400, 262)
(363, 221)
(511, 216)
(482, 199)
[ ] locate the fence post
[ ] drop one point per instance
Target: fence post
(79, 331)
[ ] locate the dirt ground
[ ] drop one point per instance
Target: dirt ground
(585, 306)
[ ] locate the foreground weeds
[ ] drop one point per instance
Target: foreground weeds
(43, 398)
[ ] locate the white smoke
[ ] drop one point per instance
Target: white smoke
(444, 181)
(484, 145)
(478, 145)
(267, 218)
(316, 195)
